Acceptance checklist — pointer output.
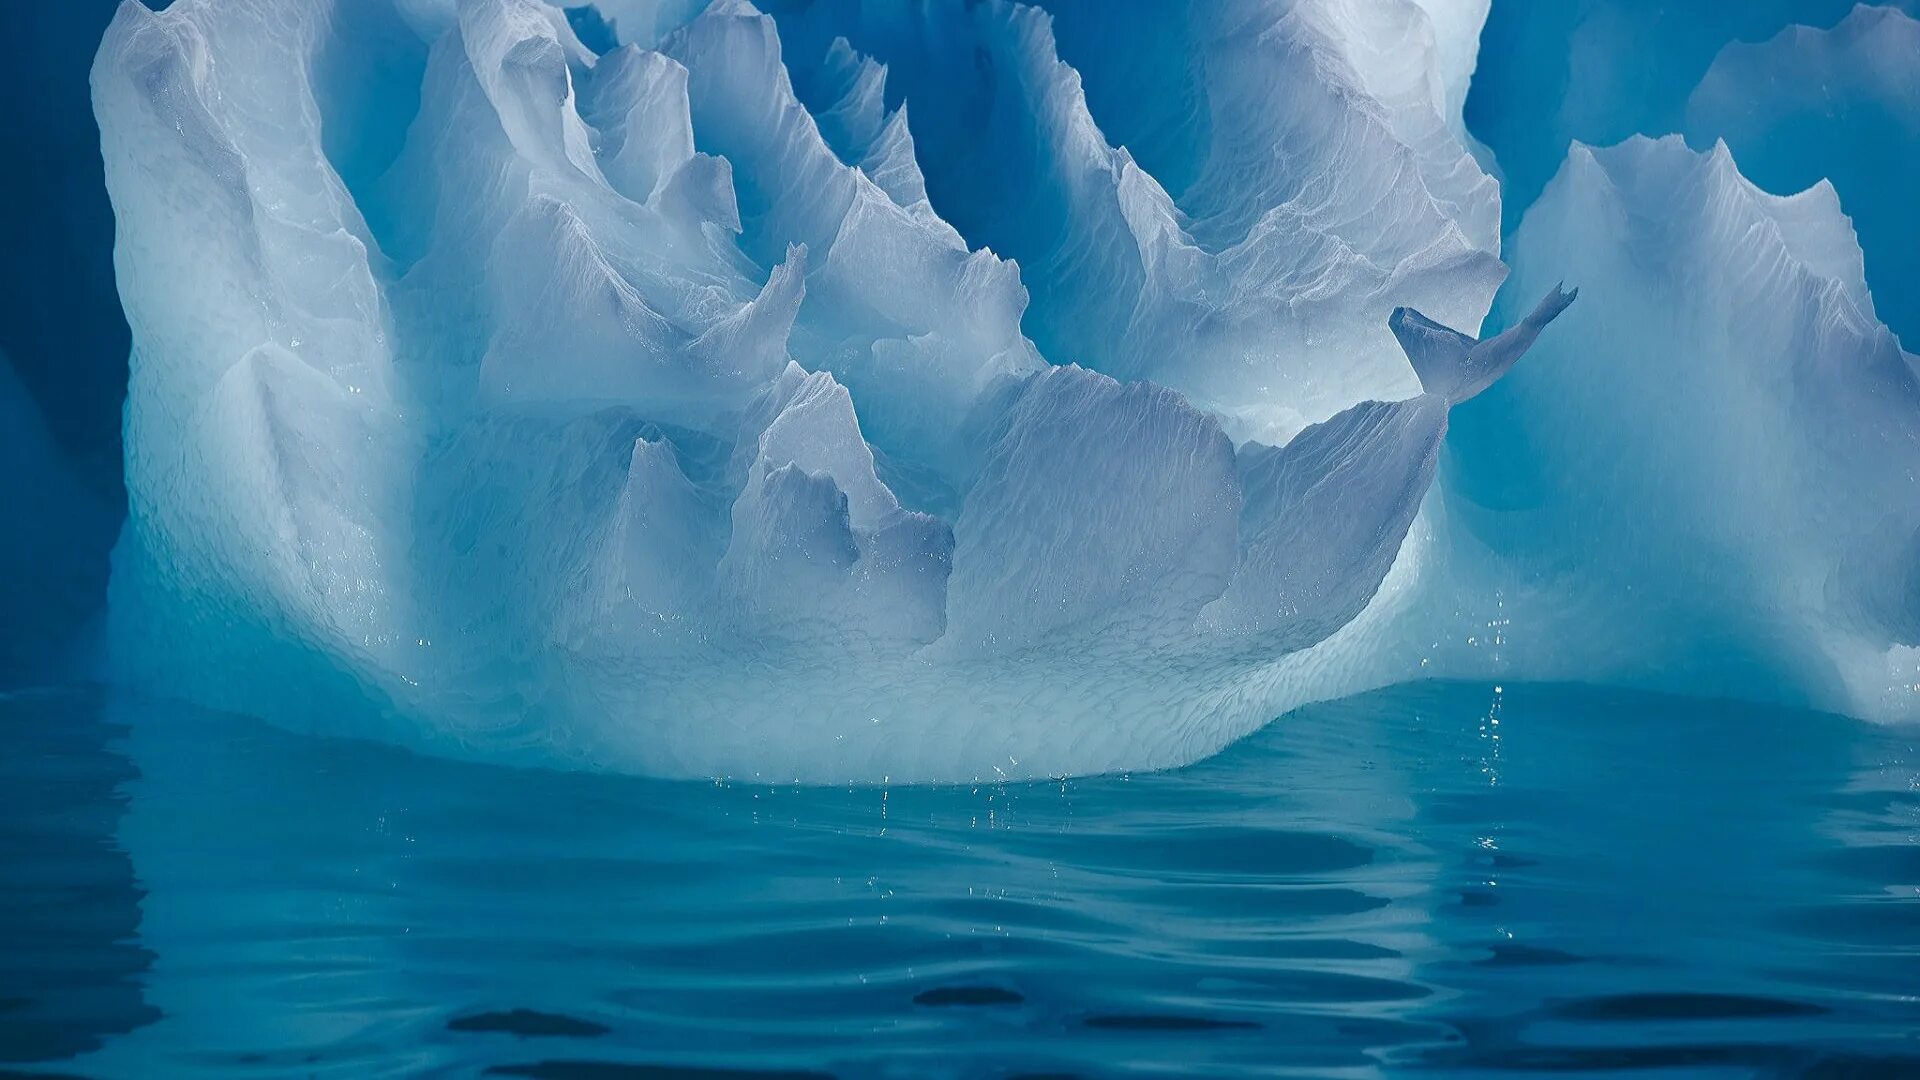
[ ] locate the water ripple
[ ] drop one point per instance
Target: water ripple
(1350, 892)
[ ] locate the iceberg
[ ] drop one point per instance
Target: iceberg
(1601, 71)
(1320, 181)
(860, 392)
(1841, 105)
(1705, 478)
(665, 408)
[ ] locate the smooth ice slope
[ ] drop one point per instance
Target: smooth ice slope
(658, 410)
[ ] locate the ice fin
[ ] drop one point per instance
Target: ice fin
(637, 102)
(787, 566)
(1456, 366)
(652, 586)
(748, 347)
(1323, 519)
(805, 440)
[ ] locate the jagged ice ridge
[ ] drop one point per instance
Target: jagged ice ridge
(860, 391)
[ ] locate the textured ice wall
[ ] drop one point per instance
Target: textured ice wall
(1839, 104)
(1317, 180)
(1705, 479)
(674, 408)
(1601, 71)
(866, 391)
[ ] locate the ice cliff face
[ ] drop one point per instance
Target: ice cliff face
(1840, 104)
(1705, 478)
(862, 391)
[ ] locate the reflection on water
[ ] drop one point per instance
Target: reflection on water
(1437, 879)
(68, 903)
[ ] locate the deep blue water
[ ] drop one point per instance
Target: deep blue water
(1433, 880)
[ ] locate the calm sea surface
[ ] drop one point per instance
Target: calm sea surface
(1435, 880)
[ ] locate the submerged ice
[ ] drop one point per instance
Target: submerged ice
(857, 391)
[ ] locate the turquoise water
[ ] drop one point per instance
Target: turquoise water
(1440, 879)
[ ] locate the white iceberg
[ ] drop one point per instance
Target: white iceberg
(622, 411)
(1707, 477)
(673, 409)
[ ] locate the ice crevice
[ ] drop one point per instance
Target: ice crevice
(824, 393)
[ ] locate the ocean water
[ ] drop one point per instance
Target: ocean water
(1434, 880)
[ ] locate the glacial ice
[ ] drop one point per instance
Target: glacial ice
(1259, 290)
(1842, 105)
(1323, 519)
(1602, 71)
(1705, 478)
(854, 391)
(1103, 513)
(1458, 367)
